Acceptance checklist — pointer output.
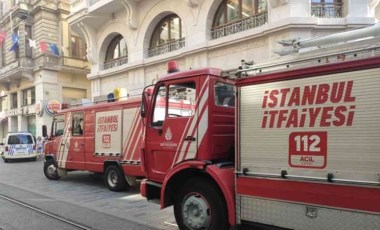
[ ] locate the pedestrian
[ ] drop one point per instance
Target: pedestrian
(40, 146)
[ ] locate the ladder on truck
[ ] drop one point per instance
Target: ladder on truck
(340, 47)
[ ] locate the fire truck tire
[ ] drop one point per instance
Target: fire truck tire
(200, 205)
(115, 179)
(50, 170)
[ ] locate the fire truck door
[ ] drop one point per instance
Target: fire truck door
(75, 159)
(172, 133)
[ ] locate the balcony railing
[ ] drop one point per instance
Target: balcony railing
(327, 10)
(236, 27)
(115, 62)
(166, 48)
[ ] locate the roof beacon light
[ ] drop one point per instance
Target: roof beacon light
(172, 67)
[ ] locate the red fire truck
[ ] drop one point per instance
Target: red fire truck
(301, 150)
(101, 138)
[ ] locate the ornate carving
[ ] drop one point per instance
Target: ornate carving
(131, 8)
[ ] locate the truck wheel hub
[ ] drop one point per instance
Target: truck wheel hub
(112, 178)
(196, 212)
(52, 170)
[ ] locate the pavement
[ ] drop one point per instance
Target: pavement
(87, 190)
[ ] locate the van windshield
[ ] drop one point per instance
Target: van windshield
(20, 139)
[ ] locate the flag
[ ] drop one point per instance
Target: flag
(43, 47)
(15, 41)
(54, 49)
(32, 43)
(2, 37)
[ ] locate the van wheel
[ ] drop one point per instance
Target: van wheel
(5, 160)
(115, 179)
(50, 170)
(200, 205)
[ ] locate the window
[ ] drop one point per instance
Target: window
(327, 8)
(14, 101)
(117, 53)
(77, 124)
(3, 103)
(236, 10)
(159, 107)
(224, 94)
(58, 125)
(28, 96)
(28, 35)
(77, 48)
(168, 36)
(182, 100)
(234, 16)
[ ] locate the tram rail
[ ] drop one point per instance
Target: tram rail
(45, 213)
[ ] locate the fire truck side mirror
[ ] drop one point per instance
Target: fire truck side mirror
(44, 131)
(146, 94)
(143, 110)
(143, 105)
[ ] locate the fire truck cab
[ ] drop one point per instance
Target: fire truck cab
(189, 133)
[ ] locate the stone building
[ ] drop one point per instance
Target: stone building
(130, 41)
(43, 64)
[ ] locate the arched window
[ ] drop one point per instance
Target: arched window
(327, 8)
(117, 53)
(168, 36)
(234, 16)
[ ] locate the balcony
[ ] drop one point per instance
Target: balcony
(115, 62)
(236, 27)
(16, 70)
(168, 47)
(327, 10)
(94, 13)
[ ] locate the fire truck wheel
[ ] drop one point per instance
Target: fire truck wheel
(50, 170)
(200, 205)
(115, 179)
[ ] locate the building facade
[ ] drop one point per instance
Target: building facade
(130, 41)
(43, 64)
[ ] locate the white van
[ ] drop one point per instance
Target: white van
(18, 146)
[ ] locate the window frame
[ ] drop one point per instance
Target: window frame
(79, 48)
(60, 118)
(156, 32)
(28, 35)
(113, 45)
(77, 117)
(223, 8)
(14, 102)
(25, 96)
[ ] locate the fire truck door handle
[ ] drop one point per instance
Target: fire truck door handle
(160, 132)
(190, 138)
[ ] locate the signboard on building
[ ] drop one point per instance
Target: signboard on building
(52, 106)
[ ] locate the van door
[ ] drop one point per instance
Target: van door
(76, 159)
(60, 137)
(172, 133)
